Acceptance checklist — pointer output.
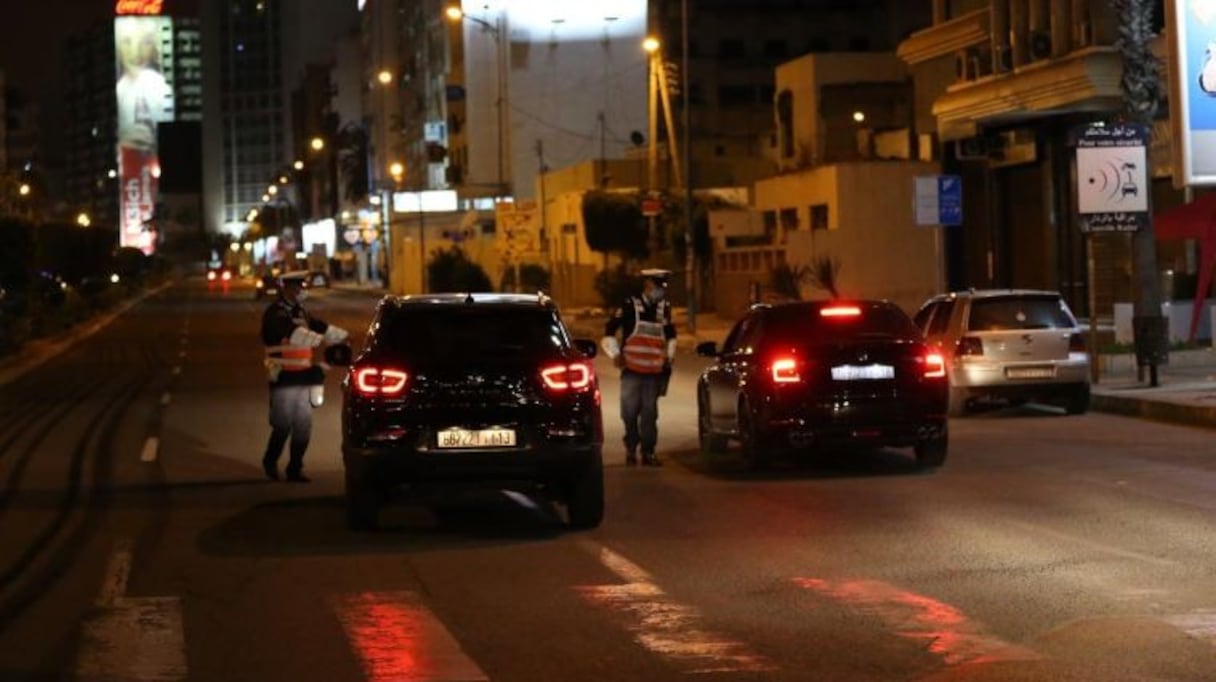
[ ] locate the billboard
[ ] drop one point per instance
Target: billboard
(143, 59)
(1193, 90)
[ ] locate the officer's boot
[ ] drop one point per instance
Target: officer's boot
(649, 459)
(631, 457)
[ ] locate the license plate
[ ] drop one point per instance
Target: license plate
(862, 372)
(476, 438)
(1030, 372)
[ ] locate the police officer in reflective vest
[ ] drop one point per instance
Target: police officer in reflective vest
(645, 360)
(290, 334)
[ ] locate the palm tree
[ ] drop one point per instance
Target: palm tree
(1142, 93)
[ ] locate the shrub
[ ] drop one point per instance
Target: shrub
(534, 277)
(616, 285)
(451, 270)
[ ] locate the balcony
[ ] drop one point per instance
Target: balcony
(1083, 80)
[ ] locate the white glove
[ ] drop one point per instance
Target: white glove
(302, 336)
(334, 334)
(611, 346)
(671, 350)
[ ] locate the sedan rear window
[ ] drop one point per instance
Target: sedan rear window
(872, 320)
(460, 333)
(1019, 312)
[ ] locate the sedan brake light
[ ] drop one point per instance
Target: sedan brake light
(785, 370)
(377, 381)
(574, 376)
(211, 275)
(840, 311)
(935, 366)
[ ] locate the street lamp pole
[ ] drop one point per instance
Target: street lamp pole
(502, 78)
(690, 252)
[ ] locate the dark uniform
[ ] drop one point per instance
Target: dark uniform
(292, 378)
(645, 356)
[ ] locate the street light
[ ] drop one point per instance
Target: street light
(385, 76)
(298, 165)
(651, 44)
(272, 190)
(455, 14)
(24, 189)
(397, 170)
(317, 144)
(83, 219)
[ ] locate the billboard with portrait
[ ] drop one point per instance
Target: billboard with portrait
(143, 59)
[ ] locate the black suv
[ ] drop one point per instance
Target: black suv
(472, 389)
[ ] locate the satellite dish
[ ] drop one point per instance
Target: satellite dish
(637, 138)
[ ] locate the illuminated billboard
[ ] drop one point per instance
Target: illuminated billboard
(143, 47)
(144, 7)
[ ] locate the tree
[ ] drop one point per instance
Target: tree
(615, 224)
(1142, 92)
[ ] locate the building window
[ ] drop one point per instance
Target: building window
(770, 226)
(776, 49)
(736, 95)
(732, 49)
(789, 220)
(819, 217)
(859, 44)
(819, 44)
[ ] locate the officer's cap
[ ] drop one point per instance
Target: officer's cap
(295, 278)
(657, 275)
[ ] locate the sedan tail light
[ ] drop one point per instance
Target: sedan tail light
(1076, 343)
(969, 345)
(226, 276)
(786, 370)
(935, 366)
(574, 376)
(379, 381)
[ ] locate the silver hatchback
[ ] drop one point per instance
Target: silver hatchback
(1015, 345)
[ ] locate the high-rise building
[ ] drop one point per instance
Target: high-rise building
(246, 145)
(91, 177)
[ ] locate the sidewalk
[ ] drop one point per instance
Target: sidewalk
(1186, 391)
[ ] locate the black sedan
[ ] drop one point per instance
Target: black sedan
(805, 375)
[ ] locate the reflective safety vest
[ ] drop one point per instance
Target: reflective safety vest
(293, 356)
(645, 350)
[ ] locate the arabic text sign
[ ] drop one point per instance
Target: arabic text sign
(1112, 178)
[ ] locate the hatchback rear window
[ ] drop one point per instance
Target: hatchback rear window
(1019, 312)
(467, 333)
(870, 321)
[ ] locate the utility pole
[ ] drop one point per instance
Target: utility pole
(1141, 97)
(690, 252)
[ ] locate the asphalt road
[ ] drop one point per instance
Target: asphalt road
(138, 541)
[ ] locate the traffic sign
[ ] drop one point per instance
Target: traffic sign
(1112, 177)
(939, 200)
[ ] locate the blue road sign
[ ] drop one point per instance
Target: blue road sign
(949, 200)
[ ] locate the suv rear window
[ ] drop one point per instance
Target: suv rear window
(1001, 313)
(452, 333)
(875, 320)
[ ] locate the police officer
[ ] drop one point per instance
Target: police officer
(645, 359)
(290, 334)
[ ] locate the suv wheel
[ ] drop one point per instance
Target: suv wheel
(711, 442)
(363, 502)
(1077, 399)
(931, 452)
(751, 439)
(585, 500)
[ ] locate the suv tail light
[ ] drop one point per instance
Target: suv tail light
(1076, 343)
(935, 365)
(574, 376)
(379, 381)
(969, 345)
(786, 370)
(840, 311)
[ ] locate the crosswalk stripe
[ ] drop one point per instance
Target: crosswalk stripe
(946, 631)
(666, 627)
(134, 639)
(397, 639)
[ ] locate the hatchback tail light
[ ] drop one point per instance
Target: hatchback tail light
(380, 381)
(1076, 343)
(935, 366)
(211, 275)
(969, 345)
(786, 370)
(226, 276)
(574, 376)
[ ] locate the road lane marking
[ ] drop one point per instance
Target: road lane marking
(165, 398)
(118, 571)
(134, 639)
(945, 631)
(675, 631)
(398, 639)
(151, 449)
(1199, 624)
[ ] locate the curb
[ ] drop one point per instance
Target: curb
(1157, 410)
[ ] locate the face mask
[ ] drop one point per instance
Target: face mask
(301, 296)
(656, 295)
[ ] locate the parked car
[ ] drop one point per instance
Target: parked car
(1015, 346)
(472, 390)
(267, 286)
(806, 375)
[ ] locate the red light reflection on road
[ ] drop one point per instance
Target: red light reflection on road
(945, 631)
(399, 640)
